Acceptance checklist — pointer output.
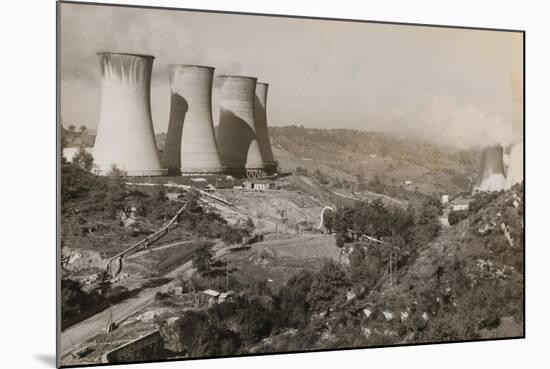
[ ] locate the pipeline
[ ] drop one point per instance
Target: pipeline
(143, 244)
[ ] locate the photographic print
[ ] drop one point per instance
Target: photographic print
(244, 184)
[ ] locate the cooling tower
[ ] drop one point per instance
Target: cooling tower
(125, 136)
(514, 173)
(239, 147)
(491, 176)
(190, 142)
(262, 132)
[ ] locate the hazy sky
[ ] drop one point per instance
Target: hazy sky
(451, 85)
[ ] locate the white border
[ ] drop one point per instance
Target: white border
(28, 181)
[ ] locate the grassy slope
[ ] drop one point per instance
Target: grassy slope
(345, 153)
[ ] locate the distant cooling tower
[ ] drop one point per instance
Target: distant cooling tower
(514, 173)
(190, 142)
(125, 136)
(491, 176)
(239, 147)
(262, 132)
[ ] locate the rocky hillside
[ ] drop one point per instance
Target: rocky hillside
(466, 283)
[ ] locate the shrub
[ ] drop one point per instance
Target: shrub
(84, 159)
(329, 288)
(292, 300)
(202, 260)
(457, 216)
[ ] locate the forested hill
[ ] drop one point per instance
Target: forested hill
(392, 158)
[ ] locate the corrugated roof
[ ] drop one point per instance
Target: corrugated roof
(211, 293)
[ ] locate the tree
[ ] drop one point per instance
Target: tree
(83, 129)
(74, 301)
(328, 216)
(231, 236)
(249, 225)
(302, 171)
(72, 128)
(329, 287)
(84, 159)
(457, 216)
(356, 260)
(117, 172)
(262, 288)
(283, 216)
(159, 194)
(255, 322)
(321, 177)
(292, 300)
(196, 335)
(340, 242)
(202, 260)
(361, 185)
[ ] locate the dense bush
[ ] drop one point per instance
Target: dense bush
(292, 300)
(457, 216)
(481, 200)
(202, 260)
(195, 335)
(74, 301)
(328, 289)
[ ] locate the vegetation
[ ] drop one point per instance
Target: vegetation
(457, 216)
(451, 285)
(74, 301)
(73, 137)
(405, 228)
(339, 153)
(202, 260)
(439, 296)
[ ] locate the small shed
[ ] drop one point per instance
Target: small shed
(209, 297)
(460, 204)
(257, 185)
(226, 297)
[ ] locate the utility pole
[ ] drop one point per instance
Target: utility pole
(193, 289)
(395, 261)
(390, 270)
(227, 270)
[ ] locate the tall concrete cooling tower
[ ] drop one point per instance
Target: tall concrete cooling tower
(491, 176)
(190, 142)
(125, 135)
(262, 132)
(237, 139)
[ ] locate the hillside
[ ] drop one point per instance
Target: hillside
(344, 154)
(465, 284)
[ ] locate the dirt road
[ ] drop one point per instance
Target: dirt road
(77, 334)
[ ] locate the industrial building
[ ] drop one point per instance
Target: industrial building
(237, 139)
(125, 137)
(258, 184)
(491, 176)
(262, 133)
(190, 142)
